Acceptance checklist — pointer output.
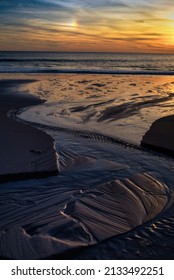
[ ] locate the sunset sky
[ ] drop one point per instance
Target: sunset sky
(87, 25)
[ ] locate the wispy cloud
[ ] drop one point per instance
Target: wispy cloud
(87, 23)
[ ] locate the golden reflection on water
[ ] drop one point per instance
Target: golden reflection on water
(116, 105)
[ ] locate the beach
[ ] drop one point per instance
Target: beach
(80, 177)
(25, 151)
(103, 103)
(87, 138)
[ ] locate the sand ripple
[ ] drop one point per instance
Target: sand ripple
(52, 221)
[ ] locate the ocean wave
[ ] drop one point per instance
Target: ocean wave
(89, 63)
(51, 70)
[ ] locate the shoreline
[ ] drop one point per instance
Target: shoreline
(26, 152)
(162, 144)
(103, 192)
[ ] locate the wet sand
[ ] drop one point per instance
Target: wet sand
(55, 220)
(109, 201)
(25, 151)
(114, 105)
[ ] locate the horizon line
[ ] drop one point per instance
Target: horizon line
(53, 51)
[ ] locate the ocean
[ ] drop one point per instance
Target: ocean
(112, 199)
(98, 63)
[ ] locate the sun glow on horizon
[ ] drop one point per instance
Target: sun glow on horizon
(113, 26)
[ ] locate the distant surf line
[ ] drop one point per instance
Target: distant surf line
(24, 70)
